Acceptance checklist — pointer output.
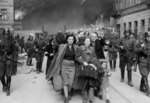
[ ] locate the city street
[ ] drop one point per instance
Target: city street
(33, 88)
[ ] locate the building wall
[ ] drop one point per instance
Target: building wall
(9, 21)
(134, 16)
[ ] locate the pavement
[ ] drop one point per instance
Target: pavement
(33, 88)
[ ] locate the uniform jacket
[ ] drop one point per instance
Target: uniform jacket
(143, 52)
(128, 44)
(112, 50)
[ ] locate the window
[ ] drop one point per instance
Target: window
(4, 14)
(130, 26)
(118, 29)
(149, 25)
(142, 26)
(136, 27)
(124, 26)
(3, 0)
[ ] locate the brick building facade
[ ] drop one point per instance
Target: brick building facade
(6, 14)
(132, 15)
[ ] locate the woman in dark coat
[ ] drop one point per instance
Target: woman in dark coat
(86, 54)
(98, 43)
(50, 54)
(64, 65)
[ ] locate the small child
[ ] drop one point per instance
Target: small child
(105, 80)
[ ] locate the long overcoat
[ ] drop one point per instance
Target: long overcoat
(55, 66)
(86, 55)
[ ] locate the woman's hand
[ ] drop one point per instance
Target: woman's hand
(85, 64)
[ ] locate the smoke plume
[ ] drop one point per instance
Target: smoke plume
(54, 14)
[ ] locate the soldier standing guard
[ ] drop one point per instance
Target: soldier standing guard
(30, 49)
(143, 49)
(7, 62)
(126, 52)
(112, 53)
(40, 46)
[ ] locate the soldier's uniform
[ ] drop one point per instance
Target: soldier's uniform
(112, 53)
(39, 55)
(29, 46)
(6, 62)
(144, 63)
(126, 56)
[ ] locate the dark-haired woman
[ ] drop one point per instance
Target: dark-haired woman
(50, 53)
(65, 65)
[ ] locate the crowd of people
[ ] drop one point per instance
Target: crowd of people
(76, 61)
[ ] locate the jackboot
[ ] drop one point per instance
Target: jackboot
(110, 62)
(114, 65)
(37, 68)
(122, 75)
(8, 92)
(40, 67)
(30, 62)
(66, 100)
(147, 87)
(130, 78)
(142, 85)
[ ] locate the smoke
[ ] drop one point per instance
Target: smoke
(54, 14)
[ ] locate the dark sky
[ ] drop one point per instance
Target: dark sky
(54, 14)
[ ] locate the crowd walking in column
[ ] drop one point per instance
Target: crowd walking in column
(81, 61)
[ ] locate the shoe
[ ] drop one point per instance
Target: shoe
(122, 80)
(148, 94)
(91, 101)
(100, 97)
(130, 84)
(41, 71)
(66, 100)
(4, 88)
(142, 89)
(130, 79)
(62, 92)
(107, 101)
(85, 101)
(37, 72)
(8, 93)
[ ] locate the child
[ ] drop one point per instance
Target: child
(105, 80)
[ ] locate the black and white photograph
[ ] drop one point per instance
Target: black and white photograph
(74, 51)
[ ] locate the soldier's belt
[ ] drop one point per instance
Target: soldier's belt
(146, 56)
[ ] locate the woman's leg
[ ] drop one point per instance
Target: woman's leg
(65, 90)
(91, 94)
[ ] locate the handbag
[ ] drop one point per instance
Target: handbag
(57, 82)
(89, 71)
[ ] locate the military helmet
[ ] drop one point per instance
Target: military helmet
(147, 34)
(127, 31)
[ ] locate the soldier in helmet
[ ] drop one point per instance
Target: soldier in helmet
(143, 49)
(112, 52)
(126, 50)
(7, 62)
(30, 49)
(40, 46)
